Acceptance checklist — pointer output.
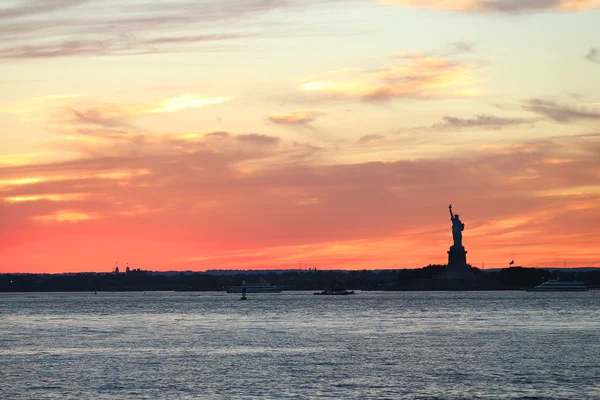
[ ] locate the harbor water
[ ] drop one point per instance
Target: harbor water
(294, 345)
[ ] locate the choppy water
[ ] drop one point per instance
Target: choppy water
(421, 345)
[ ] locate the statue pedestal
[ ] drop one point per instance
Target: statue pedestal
(457, 259)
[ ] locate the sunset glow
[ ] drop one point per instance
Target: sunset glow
(293, 134)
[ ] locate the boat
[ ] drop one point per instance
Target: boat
(254, 287)
(559, 286)
(334, 292)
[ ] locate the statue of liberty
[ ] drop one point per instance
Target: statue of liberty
(457, 228)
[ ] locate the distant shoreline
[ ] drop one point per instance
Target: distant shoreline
(281, 271)
(430, 278)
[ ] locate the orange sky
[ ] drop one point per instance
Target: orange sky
(249, 135)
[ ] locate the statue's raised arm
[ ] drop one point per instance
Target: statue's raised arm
(450, 208)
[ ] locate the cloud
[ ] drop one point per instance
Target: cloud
(214, 193)
(184, 101)
(120, 47)
(78, 109)
(295, 118)
(576, 96)
(498, 6)
(64, 216)
(419, 76)
(558, 112)
(107, 116)
(593, 55)
(113, 27)
(258, 139)
(49, 197)
(480, 121)
(81, 116)
(218, 135)
(370, 139)
(33, 8)
(69, 191)
(461, 47)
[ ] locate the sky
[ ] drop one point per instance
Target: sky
(268, 134)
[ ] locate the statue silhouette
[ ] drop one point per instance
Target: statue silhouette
(457, 228)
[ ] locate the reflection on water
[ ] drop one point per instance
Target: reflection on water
(450, 345)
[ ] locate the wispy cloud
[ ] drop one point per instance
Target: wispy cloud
(593, 55)
(370, 139)
(258, 139)
(184, 101)
(461, 47)
(48, 197)
(498, 6)
(481, 121)
(107, 116)
(295, 118)
(418, 76)
(29, 8)
(73, 111)
(112, 27)
(122, 47)
(559, 112)
(65, 216)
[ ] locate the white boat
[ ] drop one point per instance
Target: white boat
(257, 287)
(559, 286)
